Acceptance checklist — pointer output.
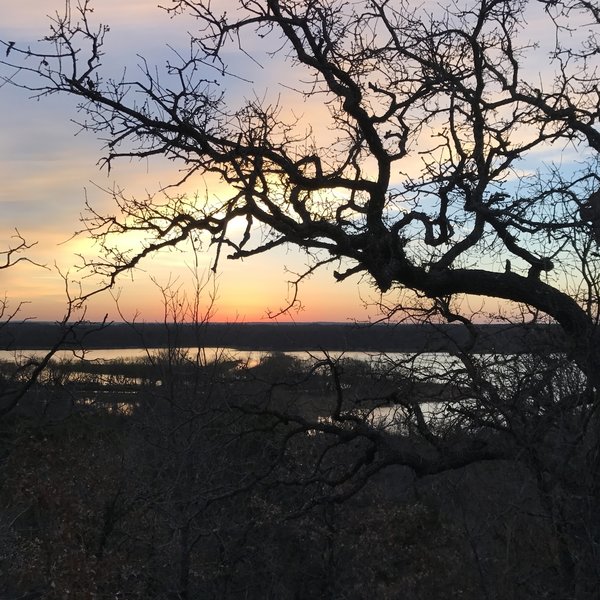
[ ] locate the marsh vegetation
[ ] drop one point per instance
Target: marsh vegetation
(179, 477)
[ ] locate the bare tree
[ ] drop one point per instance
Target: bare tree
(19, 376)
(431, 112)
(429, 175)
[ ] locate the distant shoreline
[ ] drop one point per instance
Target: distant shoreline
(282, 337)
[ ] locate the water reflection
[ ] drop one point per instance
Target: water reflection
(109, 407)
(109, 379)
(431, 362)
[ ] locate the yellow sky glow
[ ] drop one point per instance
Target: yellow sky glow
(48, 172)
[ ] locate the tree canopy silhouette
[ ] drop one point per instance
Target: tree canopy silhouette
(431, 169)
(447, 151)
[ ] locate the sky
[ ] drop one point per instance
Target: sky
(49, 168)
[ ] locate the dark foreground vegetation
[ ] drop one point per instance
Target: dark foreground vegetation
(178, 478)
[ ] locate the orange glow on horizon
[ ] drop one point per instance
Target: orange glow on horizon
(46, 171)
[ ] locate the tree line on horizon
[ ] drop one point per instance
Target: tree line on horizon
(341, 337)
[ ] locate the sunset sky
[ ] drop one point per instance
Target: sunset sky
(48, 168)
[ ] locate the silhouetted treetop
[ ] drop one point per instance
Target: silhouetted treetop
(435, 165)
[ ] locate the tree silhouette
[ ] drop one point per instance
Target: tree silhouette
(431, 171)
(20, 374)
(433, 117)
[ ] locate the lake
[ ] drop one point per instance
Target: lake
(432, 362)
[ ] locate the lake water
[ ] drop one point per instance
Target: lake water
(431, 362)
(427, 365)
